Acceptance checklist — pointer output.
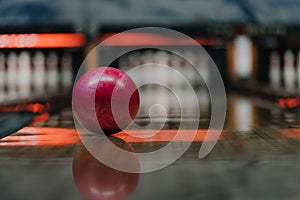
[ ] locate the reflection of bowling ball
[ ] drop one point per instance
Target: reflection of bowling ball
(98, 181)
(95, 88)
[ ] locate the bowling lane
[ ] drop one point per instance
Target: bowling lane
(258, 145)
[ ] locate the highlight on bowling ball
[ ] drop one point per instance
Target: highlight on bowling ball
(105, 100)
(96, 181)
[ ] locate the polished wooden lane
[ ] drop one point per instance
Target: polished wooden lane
(256, 157)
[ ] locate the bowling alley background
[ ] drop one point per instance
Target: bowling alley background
(45, 43)
(254, 44)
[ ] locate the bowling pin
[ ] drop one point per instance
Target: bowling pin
(146, 72)
(180, 82)
(274, 73)
(123, 63)
(66, 71)
(146, 100)
(24, 74)
(39, 75)
(11, 77)
(175, 82)
(201, 89)
(298, 67)
(176, 63)
(243, 57)
(182, 71)
(289, 71)
(2, 77)
(162, 74)
(190, 71)
(161, 71)
(52, 72)
(196, 65)
(147, 57)
(243, 114)
(191, 104)
(161, 57)
(203, 67)
(134, 60)
(161, 99)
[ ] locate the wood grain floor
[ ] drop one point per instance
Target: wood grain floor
(256, 157)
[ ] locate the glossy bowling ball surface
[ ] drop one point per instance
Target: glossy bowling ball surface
(105, 97)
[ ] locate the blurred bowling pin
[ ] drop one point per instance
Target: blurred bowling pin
(146, 72)
(148, 57)
(243, 57)
(182, 71)
(24, 74)
(134, 60)
(190, 67)
(2, 77)
(244, 114)
(274, 73)
(298, 67)
(203, 66)
(175, 82)
(162, 99)
(180, 108)
(39, 76)
(202, 92)
(11, 76)
(161, 57)
(191, 104)
(52, 72)
(146, 100)
(162, 76)
(66, 71)
(161, 71)
(176, 63)
(183, 80)
(123, 63)
(289, 71)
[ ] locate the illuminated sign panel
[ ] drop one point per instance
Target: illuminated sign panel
(143, 39)
(42, 40)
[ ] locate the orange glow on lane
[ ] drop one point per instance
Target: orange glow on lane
(142, 39)
(42, 40)
(41, 136)
(34, 107)
(48, 136)
(169, 135)
(41, 118)
(293, 133)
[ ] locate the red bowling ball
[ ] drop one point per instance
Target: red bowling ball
(105, 97)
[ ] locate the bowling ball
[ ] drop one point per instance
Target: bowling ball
(97, 181)
(105, 97)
